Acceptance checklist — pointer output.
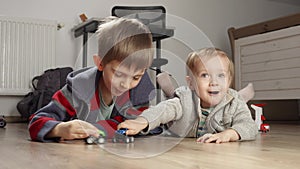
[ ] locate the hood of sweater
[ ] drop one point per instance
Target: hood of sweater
(83, 84)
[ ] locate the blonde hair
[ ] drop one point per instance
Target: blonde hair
(191, 68)
(120, 38)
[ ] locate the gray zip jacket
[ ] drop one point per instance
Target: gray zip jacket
(183, 112)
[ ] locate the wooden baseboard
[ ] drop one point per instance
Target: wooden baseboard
(15, 119)
(282, 122)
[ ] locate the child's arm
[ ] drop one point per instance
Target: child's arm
(44, 120)
(151, 118)
(74, 129)
(55, 120)
(242, 127)
(243, 123)
(134, 126)
(222, 137)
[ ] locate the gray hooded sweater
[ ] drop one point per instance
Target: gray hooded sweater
(184, 111)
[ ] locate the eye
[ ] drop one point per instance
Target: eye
(137, 77)
(222, 75)
(118, 74)
(204, 75)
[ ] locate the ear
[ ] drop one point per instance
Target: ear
(190, 82)
(98, 62)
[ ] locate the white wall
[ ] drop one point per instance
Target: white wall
(197, 19)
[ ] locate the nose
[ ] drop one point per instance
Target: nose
(125, 83)
(213, 81)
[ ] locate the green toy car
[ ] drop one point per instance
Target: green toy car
(96, 140)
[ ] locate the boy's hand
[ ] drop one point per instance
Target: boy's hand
(74, 129)
(223, 137)
(134, 126)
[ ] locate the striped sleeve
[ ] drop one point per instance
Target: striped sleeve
(46, 118)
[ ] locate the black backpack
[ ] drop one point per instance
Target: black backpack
(44, 86)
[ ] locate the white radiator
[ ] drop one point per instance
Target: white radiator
(27, 48)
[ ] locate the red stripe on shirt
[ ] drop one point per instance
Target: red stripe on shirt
(36, 126)
(111, 125)
(124, 98)
(59, 97)
(95, 101)
(133, 111)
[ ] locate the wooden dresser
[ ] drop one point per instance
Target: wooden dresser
(267, 54)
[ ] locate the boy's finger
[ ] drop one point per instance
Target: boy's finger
(92, 132)
(131, 132)
(82, 135)
(200, 140)
(219, 141)
(211, 139)
(128, 132)
(122, 125)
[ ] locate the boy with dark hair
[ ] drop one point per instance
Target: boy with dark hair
(100, 97)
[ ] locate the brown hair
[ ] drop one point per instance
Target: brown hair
(206, 52)
(125, 40)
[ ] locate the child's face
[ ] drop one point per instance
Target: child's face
(118, 79)
(212, 80)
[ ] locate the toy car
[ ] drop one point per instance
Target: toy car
(264, 127)
(120, 136)
(2, 122)
(96, 140)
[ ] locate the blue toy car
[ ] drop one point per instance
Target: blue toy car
(2, 122)
(120, 136)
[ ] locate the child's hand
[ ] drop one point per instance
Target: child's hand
(74, 129)
(205, 137)
(134, 126)
(223, 137)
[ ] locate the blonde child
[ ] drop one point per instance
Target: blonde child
(207, 109)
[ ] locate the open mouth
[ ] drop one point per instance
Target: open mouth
(213, 92)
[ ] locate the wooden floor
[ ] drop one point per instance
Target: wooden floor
(278, 149)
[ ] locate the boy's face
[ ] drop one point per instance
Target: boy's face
(118, 79)
(211, 81)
